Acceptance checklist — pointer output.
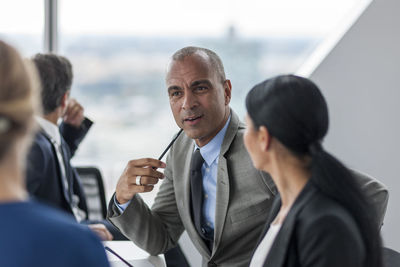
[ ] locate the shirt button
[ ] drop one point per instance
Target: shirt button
(207, 169)
(205, 196)
(208, 224)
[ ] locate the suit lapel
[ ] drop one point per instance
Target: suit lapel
(222, 190)
(222, 200)
(277, 255)
(190, 228)
(66, 192)
(68, 170)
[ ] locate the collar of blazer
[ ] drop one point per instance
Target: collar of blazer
(51, 140)
(43, 132)
(56, 162)
(277, 253)
(223, 179)
(234, 125)
(222, 185)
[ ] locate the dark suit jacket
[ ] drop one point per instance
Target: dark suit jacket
(316, 232)
(43, 171)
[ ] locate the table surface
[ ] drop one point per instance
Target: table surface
(133, 254)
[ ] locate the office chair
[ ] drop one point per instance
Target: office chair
(391, 258)
(93, 187)
(92, 183)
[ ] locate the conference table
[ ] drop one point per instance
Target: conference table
(134, 255)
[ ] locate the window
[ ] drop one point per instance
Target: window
(120, 52)
(22, 24)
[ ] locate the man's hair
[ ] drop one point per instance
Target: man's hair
(215, 60)
(56, 78)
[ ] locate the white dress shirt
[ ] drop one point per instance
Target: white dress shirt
(210, 154)
(264, 247)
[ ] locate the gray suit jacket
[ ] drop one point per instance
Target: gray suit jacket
(244, 198)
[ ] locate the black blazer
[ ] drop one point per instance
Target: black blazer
(317, 231)
(43, 175)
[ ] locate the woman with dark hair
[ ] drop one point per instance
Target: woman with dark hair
(31, 234)
(321, 217)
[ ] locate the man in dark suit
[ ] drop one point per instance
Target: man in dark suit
(50, 176)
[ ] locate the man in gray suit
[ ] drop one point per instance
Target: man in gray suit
(235, 198)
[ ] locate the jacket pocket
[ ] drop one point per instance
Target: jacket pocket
(249, 211)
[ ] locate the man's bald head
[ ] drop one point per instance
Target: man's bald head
(213, 58)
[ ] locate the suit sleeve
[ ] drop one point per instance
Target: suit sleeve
(155, 230)
(330, 241)
(74, 136)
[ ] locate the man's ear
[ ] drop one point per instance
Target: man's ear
(64, 100)
(227, 91)
(264, 138)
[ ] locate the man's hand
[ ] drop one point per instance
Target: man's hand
(101, 231)
(73, 113)
(149, 176)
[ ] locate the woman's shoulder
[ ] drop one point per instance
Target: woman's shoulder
(42, 234)
(42, 216)
(39, 218)
(321, 207)
(323, 216)
(324, 229)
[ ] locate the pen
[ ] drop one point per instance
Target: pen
(170, 144)
(119, 257)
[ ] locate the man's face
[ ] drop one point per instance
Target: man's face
(199, 99)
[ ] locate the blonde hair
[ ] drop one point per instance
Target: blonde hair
(18, 97)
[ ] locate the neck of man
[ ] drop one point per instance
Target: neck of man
(53, 116)
(12, 183)
(202, 143)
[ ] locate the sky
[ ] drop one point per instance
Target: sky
(180, 17)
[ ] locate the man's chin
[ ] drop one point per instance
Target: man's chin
(192, 134)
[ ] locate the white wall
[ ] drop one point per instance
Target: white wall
(360, 79)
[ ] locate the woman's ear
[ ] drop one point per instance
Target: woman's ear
(264, 138)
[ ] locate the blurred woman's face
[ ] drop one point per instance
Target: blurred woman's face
(252, 144)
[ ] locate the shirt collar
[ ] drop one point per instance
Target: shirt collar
(211, 150)
(50, 129)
